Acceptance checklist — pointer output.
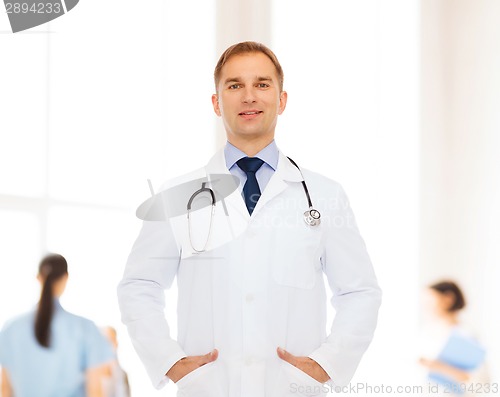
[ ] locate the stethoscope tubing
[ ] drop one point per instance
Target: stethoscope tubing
(312, 216)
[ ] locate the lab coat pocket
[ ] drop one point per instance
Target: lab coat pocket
(301, 384)
(205, 381)
(296, 256)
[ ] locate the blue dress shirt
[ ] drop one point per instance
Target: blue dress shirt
(269, 154)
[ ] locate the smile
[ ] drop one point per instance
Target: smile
(250, 114)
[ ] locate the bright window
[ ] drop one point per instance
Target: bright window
(92, 105)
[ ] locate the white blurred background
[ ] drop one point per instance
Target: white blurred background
(397, 100)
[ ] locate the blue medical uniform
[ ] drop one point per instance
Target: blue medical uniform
(76, 345)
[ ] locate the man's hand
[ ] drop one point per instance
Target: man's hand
(188, 364)
(305, 364)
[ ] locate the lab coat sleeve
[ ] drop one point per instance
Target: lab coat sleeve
(356, 294)
(151, 268)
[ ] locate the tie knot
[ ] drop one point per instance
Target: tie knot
(250, 164)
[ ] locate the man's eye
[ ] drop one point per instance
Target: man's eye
(263, 85)
(234, 86)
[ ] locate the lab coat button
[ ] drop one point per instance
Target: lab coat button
(249, 298)
(248, 361)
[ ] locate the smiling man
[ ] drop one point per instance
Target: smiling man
(249, 98)
(252, 309)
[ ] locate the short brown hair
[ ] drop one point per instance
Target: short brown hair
(245, 48)
(447, 288)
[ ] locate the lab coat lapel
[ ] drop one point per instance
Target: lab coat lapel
(217, 165)
(285, 173)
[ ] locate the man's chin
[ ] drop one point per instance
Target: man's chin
(253, 135)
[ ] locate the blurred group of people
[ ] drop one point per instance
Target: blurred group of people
(50, 352)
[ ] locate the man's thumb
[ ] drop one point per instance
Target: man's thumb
(212, 356)
(284, 355)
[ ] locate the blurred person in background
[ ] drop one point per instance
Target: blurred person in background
(116, 379)
(452, 356)
(49, 352)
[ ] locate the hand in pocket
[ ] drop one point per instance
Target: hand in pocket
(305, 364)
(188, 364)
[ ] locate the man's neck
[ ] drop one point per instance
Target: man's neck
(250, 147)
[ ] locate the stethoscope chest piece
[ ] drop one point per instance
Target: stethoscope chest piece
(312, 217)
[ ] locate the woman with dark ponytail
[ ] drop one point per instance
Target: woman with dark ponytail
(52, 274)
(50, 352)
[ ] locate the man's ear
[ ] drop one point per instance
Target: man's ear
(283, 99)
(215, 104)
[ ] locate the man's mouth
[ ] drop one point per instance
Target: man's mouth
(250, 114)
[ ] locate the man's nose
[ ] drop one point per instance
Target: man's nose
(249, 95)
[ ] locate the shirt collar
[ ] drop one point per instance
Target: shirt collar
(57, 304)
(269, 155)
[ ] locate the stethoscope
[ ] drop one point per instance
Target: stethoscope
(312, 216)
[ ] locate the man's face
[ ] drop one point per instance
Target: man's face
(249, 98)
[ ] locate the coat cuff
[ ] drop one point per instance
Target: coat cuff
(160, 379)
(323, 358)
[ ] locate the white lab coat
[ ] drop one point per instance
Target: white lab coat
(258, 286)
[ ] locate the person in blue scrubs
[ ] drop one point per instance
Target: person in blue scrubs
(49, 352)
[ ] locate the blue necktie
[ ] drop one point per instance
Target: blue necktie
(251, 190)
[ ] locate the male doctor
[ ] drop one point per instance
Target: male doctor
(252, 304)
